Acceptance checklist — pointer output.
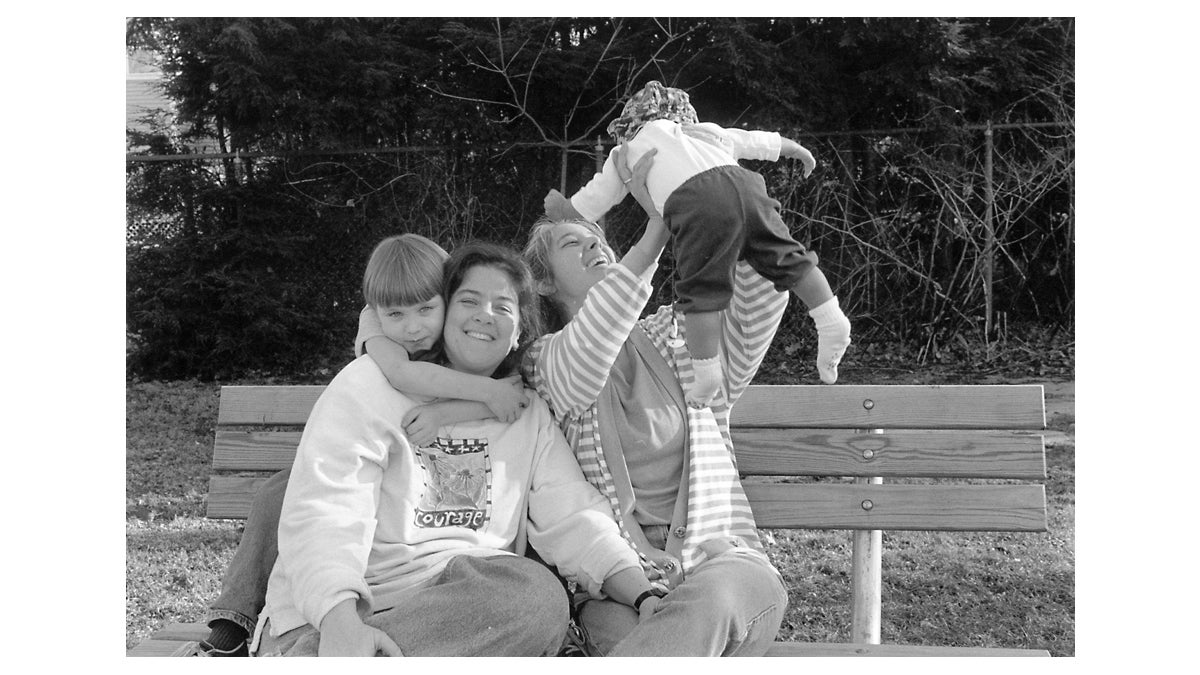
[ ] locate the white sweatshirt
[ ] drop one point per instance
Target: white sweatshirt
(680, 156)
(367, 515)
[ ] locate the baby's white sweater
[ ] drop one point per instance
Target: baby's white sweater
(680, 156)
(368, 515)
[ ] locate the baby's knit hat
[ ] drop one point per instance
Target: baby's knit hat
(653, 102)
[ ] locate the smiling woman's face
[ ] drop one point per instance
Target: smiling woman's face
(577, 258)
(482, 321)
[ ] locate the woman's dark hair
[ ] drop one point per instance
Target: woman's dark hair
(485, 254)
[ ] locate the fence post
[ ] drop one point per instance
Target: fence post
(562, 173)
(990, 234)
(599, 160)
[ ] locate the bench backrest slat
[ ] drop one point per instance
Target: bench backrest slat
(230, 496)
(892, 407)
(266, 405)
(999, 508)
(771, 452)
(236, 450)
(1016, 508)
(893, 453)
(780, 406)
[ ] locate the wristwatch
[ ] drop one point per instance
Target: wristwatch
(637, 604)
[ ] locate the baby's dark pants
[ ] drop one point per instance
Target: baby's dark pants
(721, 216)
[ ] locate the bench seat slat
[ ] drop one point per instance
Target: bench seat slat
(173, 639)
(801, 649)
(183, 632)
(984, 508)
(927, 454)
(155, 647)
(1001, 406)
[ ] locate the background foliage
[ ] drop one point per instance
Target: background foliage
(334, 133)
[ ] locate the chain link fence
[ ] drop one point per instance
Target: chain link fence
(252, 262)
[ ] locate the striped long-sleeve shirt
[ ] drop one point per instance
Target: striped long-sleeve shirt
(569, 369)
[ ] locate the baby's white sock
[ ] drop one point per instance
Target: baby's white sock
(833, 337)
(708, 382)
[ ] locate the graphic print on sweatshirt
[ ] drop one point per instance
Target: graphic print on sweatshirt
(458, 483)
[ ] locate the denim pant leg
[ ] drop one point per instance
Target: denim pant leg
(731, 605)
(244, 586)
(498, 606)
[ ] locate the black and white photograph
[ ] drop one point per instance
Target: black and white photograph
(607, 336)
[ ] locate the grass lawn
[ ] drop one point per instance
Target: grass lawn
(984, 590)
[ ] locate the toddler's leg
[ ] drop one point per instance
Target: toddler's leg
(833, 328)
(703, 332)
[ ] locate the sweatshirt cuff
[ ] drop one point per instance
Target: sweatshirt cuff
(582, 210)
(361, 605)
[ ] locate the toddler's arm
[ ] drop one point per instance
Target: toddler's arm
(790, 148)
(605, 190)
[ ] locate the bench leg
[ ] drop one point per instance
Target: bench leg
(866, 582)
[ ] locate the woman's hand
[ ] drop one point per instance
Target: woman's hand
(716, 546)
(667, 569)
(421, 424)
(635, 178)
(508, 400)
(558, 207)
(642, 255)
(344, 634)
(648, 608)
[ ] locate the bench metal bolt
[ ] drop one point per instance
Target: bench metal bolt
(868, 404)
(867, 505)
(868, 453)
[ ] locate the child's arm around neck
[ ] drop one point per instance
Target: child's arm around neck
(503, 397)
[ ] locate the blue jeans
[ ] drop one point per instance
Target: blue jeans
(244, 586)
(731, 605)
(499, 606)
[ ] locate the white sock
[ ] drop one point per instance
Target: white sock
(833, 337)
(708, 382)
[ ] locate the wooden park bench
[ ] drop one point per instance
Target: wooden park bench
(849, 437)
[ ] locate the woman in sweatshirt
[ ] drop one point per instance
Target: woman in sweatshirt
(387, 547)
